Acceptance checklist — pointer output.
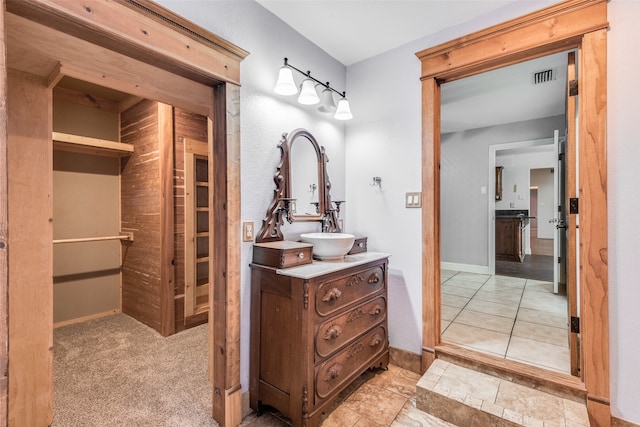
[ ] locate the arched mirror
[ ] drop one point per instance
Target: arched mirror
(305, 178)
(302, 187)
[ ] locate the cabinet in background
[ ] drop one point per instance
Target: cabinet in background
(509, 239)
(314, 329)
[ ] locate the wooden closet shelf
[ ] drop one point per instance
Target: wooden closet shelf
(87, 145)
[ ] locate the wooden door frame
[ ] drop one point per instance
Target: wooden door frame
(580, 24)
(148, 35)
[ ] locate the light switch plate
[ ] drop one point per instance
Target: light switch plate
(413, 200)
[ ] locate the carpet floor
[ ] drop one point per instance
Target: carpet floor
(116, 371)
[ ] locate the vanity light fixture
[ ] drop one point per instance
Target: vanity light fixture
(286, 85)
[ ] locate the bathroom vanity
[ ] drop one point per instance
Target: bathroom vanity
(314, 329)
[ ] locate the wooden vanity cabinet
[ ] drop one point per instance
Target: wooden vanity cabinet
(509, 239)
(313, 333)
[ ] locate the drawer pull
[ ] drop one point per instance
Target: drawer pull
(333, 372)
(374, 278)
(375, 340)
(331, 294)
(301, 255)
(333, 332)
(375, 310)
(361, 245)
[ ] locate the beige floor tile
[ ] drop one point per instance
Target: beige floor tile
(575, 413)
(410, 416)
(493, 308)
(473, 277)
(477, 338)
(538, 285)
(444, 324)
(557, 320)
(457, 290)
(446, 274)
(371, 401)
(449, 313)
(542, 333)
(485, 321)
(544, 301)
(539, 353)
(505, 281)
(500, 297)
(369, 421)
(466, 382)
(341, 417)
(453, 300)
(533, 403)
(461, 283)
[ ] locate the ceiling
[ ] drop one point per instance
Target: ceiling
(354, 30)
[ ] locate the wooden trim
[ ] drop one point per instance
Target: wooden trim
(570, 180)
(594, 334)
(583, 26)
(85, 144)
(167, 225)
(561, 27)
(30, 207)
(85, 318)
(430, 220)
(224, 271)
(189, 235)
(145, 34)
(4, 250)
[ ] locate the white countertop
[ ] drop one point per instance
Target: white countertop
(318, 268)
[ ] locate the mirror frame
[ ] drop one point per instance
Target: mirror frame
(580, 24)
(279, 209)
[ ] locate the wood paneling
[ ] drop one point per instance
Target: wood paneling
(187, 127)
(30, 213)
(4, 333)
(165, 187)
(571, 24)
(141, 213)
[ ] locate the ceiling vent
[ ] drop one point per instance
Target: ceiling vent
(544, 76)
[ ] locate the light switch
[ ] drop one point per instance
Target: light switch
(413, 200)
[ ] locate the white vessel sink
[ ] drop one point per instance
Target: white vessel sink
(329, 246)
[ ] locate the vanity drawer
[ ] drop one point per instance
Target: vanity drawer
(282, 254)
(336, 332)
(335, 294)
(340, 368)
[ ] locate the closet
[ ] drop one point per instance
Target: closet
(130, 217)
(149, 56)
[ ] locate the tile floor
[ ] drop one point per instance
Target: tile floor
(519, 319)
(514, 318)
(377, 398)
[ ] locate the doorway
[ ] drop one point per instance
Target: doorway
(585, 29)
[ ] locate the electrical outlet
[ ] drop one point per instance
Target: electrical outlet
(247, 231)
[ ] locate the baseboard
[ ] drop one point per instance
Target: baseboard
(466, 268)
(246, 409)
(405, 359)
(617, 422)
(85, 318)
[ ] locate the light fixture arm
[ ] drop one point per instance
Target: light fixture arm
(309, 76)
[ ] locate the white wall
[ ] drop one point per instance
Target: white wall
(543, 179)
(464, 171)
(384, 140)
(623, 154)
(265, 116)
